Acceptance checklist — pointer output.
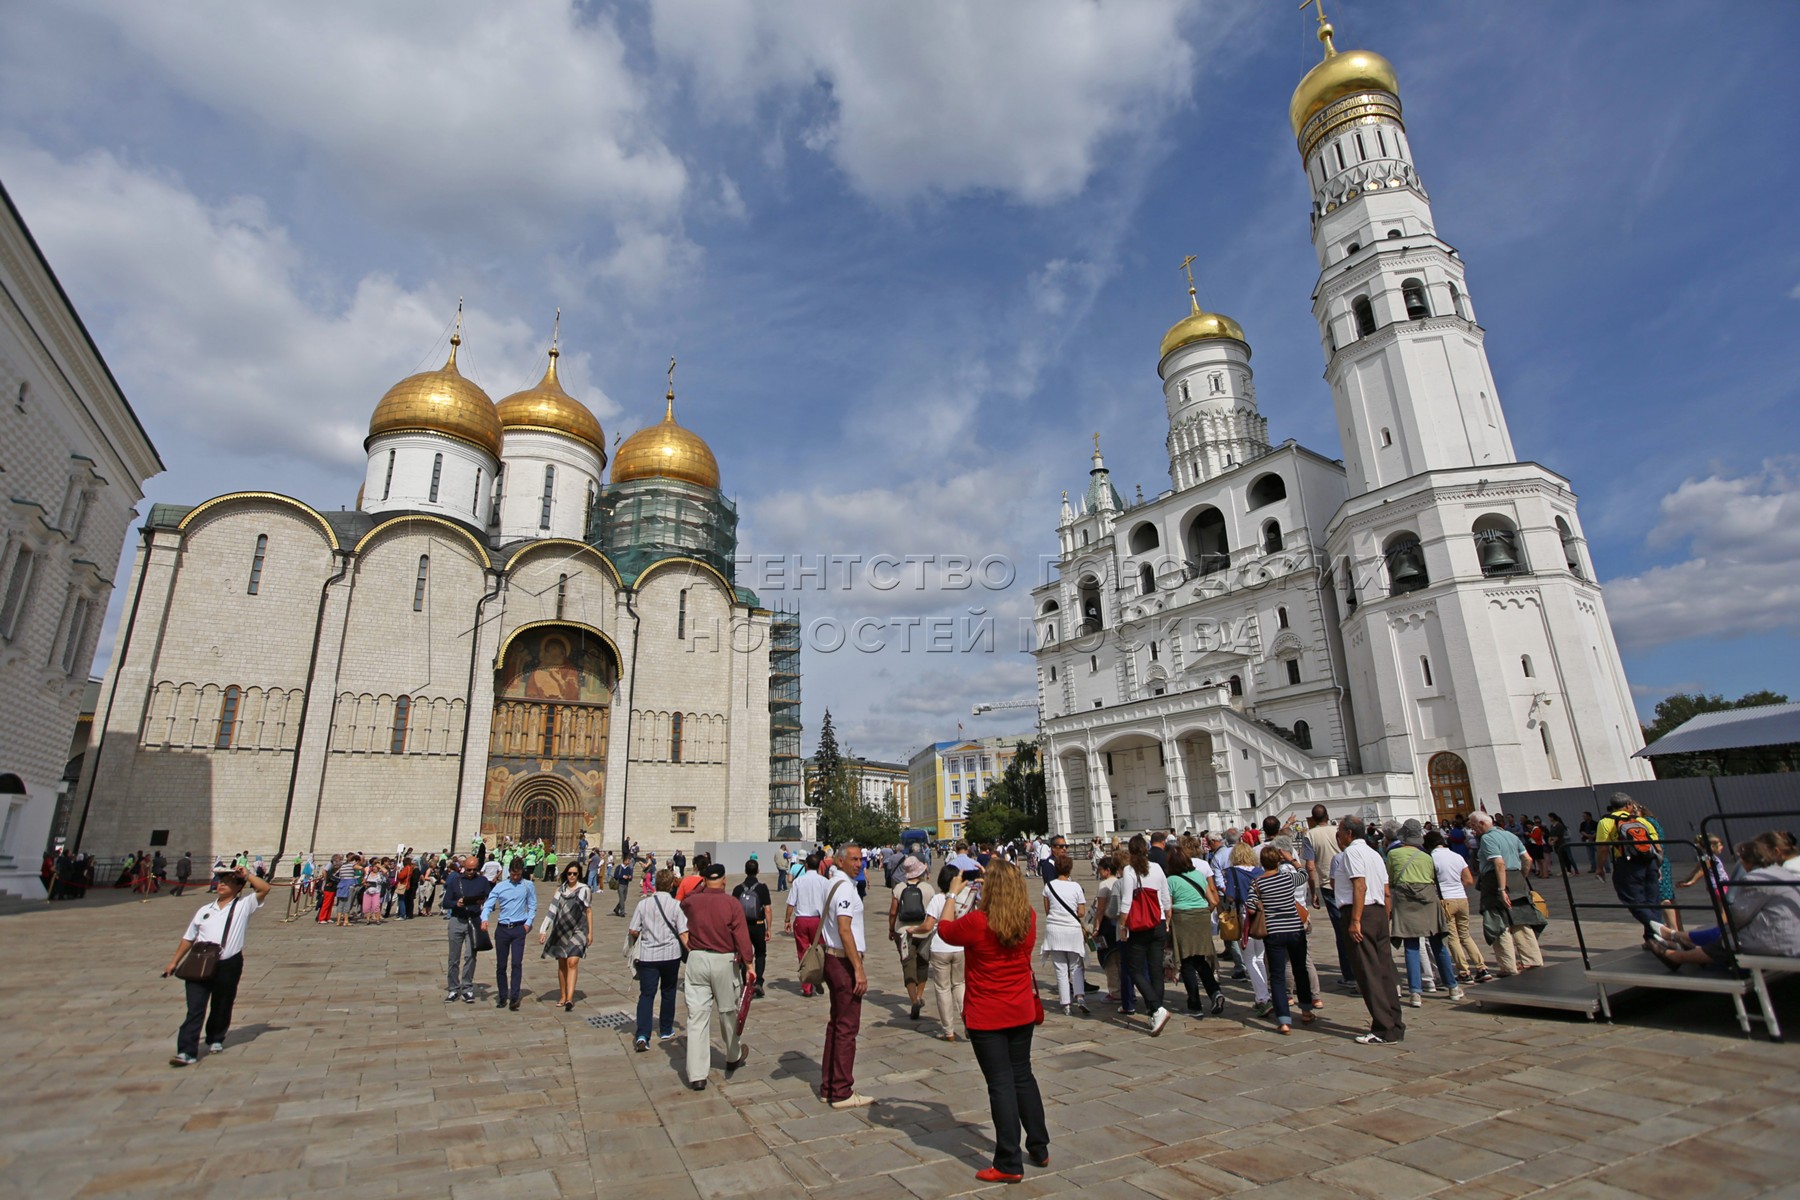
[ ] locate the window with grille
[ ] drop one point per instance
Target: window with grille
(437, 475)
(228, 716)
(549, 493)
(402, 714)
(256, 563)
(675, 738)
(419, 586)
(387, 484)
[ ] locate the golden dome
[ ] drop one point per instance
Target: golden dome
(1338, 76)
(548, 406)
(1199, 326)
(668, 451)
(440, 401)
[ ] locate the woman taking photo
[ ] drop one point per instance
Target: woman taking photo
(568, 928)
(1001, 1010)
(659, 928)
(947, 981)
(1190, 928)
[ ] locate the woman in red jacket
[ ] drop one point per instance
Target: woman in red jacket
(1000, 1009)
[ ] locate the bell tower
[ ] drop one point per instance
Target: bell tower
(1479, 654)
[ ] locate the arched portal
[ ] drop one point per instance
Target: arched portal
(553, 693)
(1450, 790)
(538, 820)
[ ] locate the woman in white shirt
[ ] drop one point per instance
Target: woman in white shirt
(659, 927)
(1065, 943)
(1454, 881)
(946, 971)
(1144, 947)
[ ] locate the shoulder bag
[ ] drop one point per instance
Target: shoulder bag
(1146, 906)
(812, 963)
(201, 962)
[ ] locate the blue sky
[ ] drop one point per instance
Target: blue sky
(911, 255)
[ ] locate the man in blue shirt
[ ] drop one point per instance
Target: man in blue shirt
(465, 891)
(516, 902)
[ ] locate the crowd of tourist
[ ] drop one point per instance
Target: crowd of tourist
(1195, 908)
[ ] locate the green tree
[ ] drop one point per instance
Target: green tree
(1674, 711)
(1014, 804)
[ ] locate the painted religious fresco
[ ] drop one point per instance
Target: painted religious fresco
(557, 665)
(547, 743)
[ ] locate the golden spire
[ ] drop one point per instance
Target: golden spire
(455, 336)
(1187, 264)
(1096, 442)
(1325, 29)
(556, 333)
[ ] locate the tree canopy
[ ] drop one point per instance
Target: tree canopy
(1674, 711)
(1014, 804)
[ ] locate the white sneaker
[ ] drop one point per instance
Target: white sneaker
(214, 1047)
(1456, 993)
(1158, 1019)
(1414, 1000)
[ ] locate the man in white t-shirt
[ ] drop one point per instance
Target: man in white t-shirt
(805, 906)
(1454, 880)
(842, 931)
(1359, 880)
(220, 923)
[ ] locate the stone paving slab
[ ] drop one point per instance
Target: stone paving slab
(347, 1075)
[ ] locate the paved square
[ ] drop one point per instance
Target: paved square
(347, 1075)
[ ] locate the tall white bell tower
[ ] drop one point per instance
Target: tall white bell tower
(1479, 653)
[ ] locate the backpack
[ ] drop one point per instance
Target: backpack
(1639, 840)
(750, 897)
(912, 905)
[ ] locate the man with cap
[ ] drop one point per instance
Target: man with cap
(718, 945)
(905, 911)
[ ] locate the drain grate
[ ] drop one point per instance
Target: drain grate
(613, 1020)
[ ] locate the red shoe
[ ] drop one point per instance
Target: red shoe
(996, 1175)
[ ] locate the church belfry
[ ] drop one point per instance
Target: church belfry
(1404, 356)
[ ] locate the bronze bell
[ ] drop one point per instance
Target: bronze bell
(1406, 567)
(1497, 555)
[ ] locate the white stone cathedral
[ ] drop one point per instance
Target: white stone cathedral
(497, 641)
(1408, 631)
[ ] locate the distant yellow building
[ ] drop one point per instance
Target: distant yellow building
(947, 776)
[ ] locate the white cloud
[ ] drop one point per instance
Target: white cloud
(1743, 536)
(941, 96)
(223, 331)
(479, 117)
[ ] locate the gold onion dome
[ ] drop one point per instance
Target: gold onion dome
(440, 401)
(548, 406)
(666, 450)
(1338, 76)
(1200, 326)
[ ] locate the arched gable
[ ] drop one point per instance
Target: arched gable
(312, 514)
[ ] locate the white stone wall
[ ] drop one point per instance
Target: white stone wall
(525, 454)
(465, 477)
(72, 464)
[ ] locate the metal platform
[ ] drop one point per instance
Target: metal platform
(1565, 987)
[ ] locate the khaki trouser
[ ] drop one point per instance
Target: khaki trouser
(947, 988)
(1518, 948)
(1463, 948)
(712, 986)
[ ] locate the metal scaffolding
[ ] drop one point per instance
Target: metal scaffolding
(787, 800)
(642, 520)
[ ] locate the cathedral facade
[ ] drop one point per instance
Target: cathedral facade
(1409, 630)
(498, 641)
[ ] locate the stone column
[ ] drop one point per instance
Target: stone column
(1099, 794)
(1175, 775)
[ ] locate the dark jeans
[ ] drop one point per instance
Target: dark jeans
(462, 955)
(221, 992)
(1342, 941)
(1013, 1097)
(652, 978)
(1197, 970)
(837, 1077)
(759, 942)
(1110, 946)
(1282, 949)
(1144, 965)
(624, 886)
(509, 944)
(1372, 962)
(1639, 884)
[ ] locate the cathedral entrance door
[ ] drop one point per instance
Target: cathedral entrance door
(1450, 791)
(538, 820)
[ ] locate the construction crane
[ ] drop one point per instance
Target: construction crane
(997, 705)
